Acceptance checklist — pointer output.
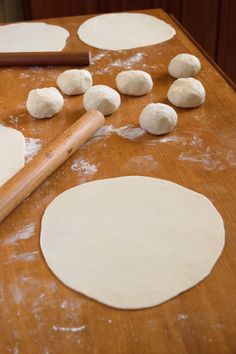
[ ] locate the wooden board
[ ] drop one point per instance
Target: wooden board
(38, 314)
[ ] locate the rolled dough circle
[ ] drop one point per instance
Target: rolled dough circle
(131, 242)
(32, 37)
(110, 31)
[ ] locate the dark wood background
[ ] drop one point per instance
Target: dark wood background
(210, 22)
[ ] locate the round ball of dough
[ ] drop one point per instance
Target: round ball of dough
(74, 81)
(186, 93)
(134, 82)
(158, 118)
(184, 65)
(44, 102)
(101, 98)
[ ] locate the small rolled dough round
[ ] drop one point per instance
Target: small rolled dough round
(131, 242)
(186, 93)
(74, 81)
(32, 37)
(158, 118)
(44, 102)
(119, 31)
(134, 82)
(184, 65)
(12, 151)
(102, 98)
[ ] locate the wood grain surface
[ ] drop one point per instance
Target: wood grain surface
(38, 314)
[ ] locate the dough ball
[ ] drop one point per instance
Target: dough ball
(74, 81)
(186, 93)
(101, 98)
(44, 102)
(184, 65)
(134, 82)
(158, 118)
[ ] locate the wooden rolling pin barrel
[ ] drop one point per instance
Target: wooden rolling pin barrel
(45, 58)
(23, 183)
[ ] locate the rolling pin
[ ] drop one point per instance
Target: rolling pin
(24, 182)
(44, 58)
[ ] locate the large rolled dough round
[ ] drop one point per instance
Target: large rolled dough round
(32, 37)
(119, 31)
(12, 150)
(131, 242)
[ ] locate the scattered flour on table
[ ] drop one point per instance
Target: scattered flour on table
(207, 158)
(97, 57)
(13, 119)
(26, 256)
(33, 146)
(20, 106)
(182, 316)
(38, 300)
(144, 160)
(141, 164)
(34, 283)
(127, 132)
(83, 167)
(231, 158)
(218, 325)
(167, 139)
(69, 329)
(24, 75)
(14, 350)
(128, 63)
(135, 61)
(70, 304)
(17, 294)
(188, 139)
(23, 234)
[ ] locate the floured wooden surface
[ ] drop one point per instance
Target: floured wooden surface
(37, 312)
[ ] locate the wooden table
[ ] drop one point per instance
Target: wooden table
(38, 314)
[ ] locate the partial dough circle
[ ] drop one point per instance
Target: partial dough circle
(32, 37)
(12, 153)
(119, 31)
(131, 242)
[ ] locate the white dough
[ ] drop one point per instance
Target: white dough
(158, 118)
(74, 81)
(44, 102)
(32, 37)
(186, 93)
(184, 65)
(134, 82)
(102, 98)
(131, 242)
(119, 31)
(12, 150)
